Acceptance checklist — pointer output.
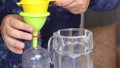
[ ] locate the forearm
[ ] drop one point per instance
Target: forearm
(104, 5)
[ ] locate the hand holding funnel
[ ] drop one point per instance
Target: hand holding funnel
(37, 21)
(35, 14)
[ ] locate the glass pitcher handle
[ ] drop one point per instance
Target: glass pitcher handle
(51, 49)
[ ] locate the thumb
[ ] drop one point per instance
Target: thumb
(63, 3)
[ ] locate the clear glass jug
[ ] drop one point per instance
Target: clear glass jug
(36, 58)
(69, 49)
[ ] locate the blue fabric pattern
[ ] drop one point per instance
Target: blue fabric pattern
(104, 5)
(59, 19)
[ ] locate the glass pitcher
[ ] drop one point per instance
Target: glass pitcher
(70, 49)
(36, 57)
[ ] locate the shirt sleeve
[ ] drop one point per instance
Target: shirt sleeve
(104, 5)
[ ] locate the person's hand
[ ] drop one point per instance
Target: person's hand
(74, 6)
(11, 27)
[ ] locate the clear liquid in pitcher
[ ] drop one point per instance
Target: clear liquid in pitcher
(64, 60)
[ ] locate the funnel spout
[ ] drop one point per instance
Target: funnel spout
(37, 21)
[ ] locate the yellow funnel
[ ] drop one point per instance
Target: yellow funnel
(35, 20)
(35, 6)
(34, 1)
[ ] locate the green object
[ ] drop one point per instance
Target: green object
(37, 21)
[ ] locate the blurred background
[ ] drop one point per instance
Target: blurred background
(106, 32)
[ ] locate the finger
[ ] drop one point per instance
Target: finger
(77, 10)
(77, 7)
(73, 6)
(21, 25)
(18, 34)
(15, 50)
(63, 2)
(14, 43)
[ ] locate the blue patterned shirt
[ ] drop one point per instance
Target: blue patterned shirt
(59, 19)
